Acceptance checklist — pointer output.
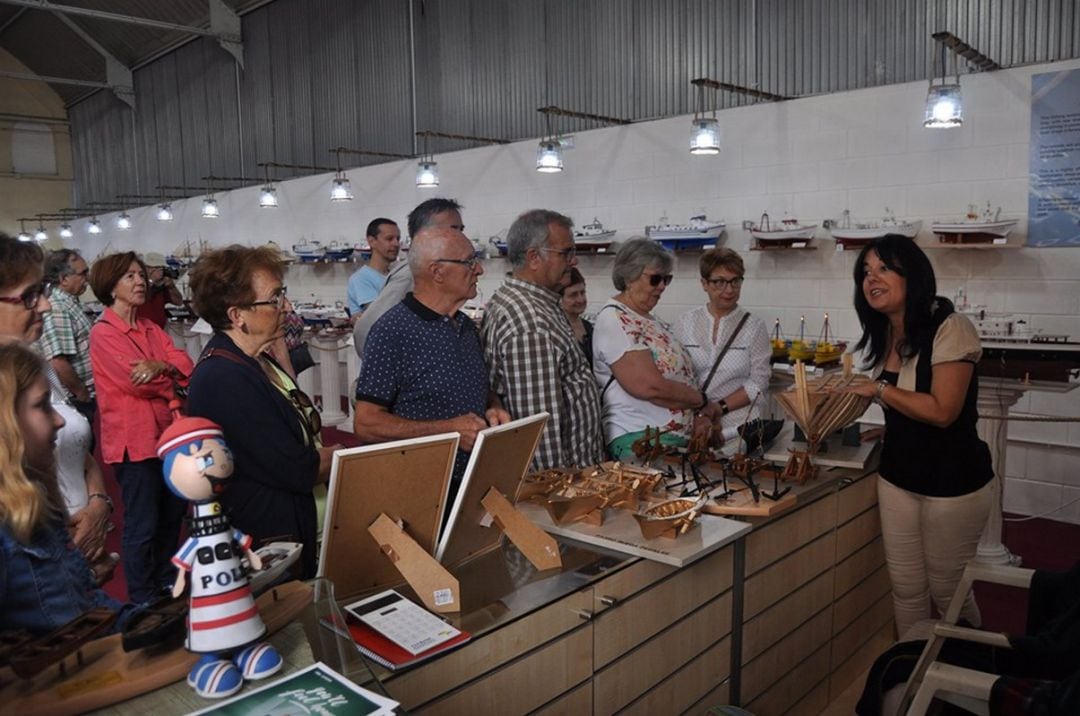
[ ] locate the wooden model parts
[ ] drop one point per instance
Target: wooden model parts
(544, 482)
(823, 405)
(669, 519)
(160, 623)
(32, 658)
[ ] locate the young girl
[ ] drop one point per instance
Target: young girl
(44, 580)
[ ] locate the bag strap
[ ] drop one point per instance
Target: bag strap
(723, 351)
(612, 378)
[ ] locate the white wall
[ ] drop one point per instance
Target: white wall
(811, 157)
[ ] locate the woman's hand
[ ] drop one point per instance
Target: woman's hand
(88, 527)
(867, 389)
(144, 371)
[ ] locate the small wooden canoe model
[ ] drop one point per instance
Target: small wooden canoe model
(161, 623)
(820, 406)
(36, 656)
(543, 483)
(11, 642)
(642, 481)
(571, 496)
(671, 518)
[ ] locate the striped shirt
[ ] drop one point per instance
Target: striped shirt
(536, 365)
(66, 334)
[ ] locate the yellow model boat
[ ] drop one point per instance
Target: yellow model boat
(825, 350)
(779, 345)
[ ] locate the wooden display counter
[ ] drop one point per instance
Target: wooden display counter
(780, 620)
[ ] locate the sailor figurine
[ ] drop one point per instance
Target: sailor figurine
(223, 616)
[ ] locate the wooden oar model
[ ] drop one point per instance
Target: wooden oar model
(820, 406)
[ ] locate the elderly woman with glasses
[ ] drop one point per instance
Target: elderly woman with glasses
(242, 385)
(646, 377)
(736, 378)
(136, 371)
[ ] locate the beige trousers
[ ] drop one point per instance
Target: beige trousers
(928, 542)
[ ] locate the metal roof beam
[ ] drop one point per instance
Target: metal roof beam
(55, 80)
(111, 16)
(225, 26)
(118, 77)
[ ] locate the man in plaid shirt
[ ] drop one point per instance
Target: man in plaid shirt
(533, 358)
(65, 336)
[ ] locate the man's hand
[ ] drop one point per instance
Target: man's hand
(468, 425)
(88, 527)
(497, 416)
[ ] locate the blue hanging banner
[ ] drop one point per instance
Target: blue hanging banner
(1054, 191)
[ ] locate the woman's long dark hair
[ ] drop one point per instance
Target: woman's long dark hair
(902, 255)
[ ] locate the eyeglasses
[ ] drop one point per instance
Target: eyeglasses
(276, 300)
(470, 263)
(30, 297)
(656, 278)
(568, 254)
(309, 413)
(723, 283)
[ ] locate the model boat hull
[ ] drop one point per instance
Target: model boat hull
(861, 236)
(784, 237)
(973, 233)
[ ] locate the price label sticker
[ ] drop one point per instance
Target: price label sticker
(799, 245)
(443, 597)
(839, 246)
(1000, 240)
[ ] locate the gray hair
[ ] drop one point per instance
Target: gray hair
(58, 264)
(635, 256)
(429, 245)
(530, 231)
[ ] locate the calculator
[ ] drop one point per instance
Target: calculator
(400, 620)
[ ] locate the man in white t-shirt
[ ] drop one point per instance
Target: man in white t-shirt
(384, 238)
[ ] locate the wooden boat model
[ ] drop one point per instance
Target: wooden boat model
(11, 642)
(593, 238)
(787, 234)
(849, 234)
(37, 655)
(988, 228)
(819, 407)
(161, 623)
(309, 251)
(670, 518)
(780, 346)
(542, 483)
(571, 504)
(642, 481)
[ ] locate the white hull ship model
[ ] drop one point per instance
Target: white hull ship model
(339, 252)
(789, 233)
(987, 228)
(820, 407)
(1002, 327)
(498, 242)
(699, 233)
(309, 251)
(593, 238)
(854, 234)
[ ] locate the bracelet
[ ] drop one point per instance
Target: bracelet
(101, 496)
(879, 397)
(704, 402)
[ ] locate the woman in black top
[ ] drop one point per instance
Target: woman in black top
(934, 485)
(574, 303)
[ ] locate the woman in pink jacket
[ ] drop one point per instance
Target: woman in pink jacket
(136, 370)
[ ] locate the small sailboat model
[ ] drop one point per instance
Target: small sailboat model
(698, 233)
(851, 234)
(780, 346)
(801, 349)
(593, 238)
(819, 407)
(827, 350)
(987, 228)
(788, 234)
(498, 242)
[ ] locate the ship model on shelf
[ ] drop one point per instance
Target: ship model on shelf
(985, 228)
(819, 407)
(996, 327)
(850, 234)
(309, 252)
(498, 242)
(700, 232)
(593, 238)
(828, 349)
(788, 233)
(780, 345)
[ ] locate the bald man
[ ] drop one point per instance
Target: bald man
(423, 371)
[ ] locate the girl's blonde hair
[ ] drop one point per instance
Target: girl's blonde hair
(27, 497)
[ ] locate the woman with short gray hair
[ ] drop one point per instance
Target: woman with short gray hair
(647, 377)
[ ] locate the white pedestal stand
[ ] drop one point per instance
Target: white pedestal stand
(328, 348)
(996, 397)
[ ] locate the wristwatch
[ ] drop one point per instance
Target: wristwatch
(101, 496)
(724, 409)
(879, 397)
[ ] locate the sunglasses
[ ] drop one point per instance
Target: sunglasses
(656, 278)
(30, 297)
(308, 411)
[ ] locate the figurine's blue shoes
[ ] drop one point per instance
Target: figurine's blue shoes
(214, 678)
(258, 661)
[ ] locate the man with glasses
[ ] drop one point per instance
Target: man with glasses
(65, 335)
(536, 364)
(433, 213)
(423, 371)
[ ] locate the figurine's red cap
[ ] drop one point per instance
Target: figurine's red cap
(187, 430)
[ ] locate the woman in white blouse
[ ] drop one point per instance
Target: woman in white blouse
(741, 380)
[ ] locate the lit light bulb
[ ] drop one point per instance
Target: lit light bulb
(164, 212)
(268, 197)
(65, 231)
(23, 236)
(40, 235)
(427, 175)
(210, 208)
(94, 227)
(549, 157)
(123, 222)
(705, 136)
(944, 107)
(341, 190)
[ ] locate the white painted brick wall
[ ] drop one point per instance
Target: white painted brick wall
(811, 157)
